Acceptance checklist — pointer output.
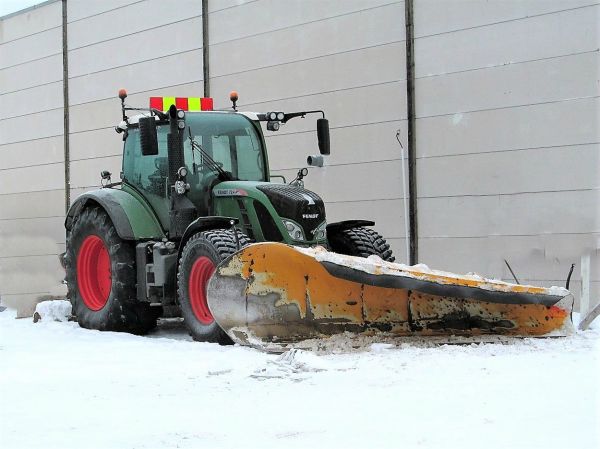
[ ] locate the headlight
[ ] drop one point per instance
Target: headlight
(320, 232)
(272, 126)
(293, 229)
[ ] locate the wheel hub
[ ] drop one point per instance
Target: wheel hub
(201, 272)
(94, 277)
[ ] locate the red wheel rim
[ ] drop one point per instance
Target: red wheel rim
(202, 270)
(94, 277)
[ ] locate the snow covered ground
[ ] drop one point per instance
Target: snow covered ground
(62, 386)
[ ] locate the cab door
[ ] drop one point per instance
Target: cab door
(149, 174)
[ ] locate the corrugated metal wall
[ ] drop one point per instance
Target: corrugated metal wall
(507, 103)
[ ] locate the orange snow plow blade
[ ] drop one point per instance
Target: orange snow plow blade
(275, 293)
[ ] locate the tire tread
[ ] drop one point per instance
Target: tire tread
(361, 242)
(223, 242)
(123, 312)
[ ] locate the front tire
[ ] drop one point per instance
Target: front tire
(361, 242)
(101, 278)
(199, 259)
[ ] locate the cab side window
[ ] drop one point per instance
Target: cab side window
(147, 173)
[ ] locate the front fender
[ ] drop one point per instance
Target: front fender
(333, 228)
(204, 224)
(132, 217)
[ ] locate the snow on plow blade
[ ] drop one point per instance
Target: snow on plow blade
(275, 293)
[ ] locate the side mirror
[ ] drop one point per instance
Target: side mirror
(148, 140)
(323, 135)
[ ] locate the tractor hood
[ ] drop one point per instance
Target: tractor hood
(297, 214)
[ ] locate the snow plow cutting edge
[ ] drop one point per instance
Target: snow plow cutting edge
(275, 293)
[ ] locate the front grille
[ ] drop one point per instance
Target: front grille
(303, 206)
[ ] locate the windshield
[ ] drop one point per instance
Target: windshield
(230, 139)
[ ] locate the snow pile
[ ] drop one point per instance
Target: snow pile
(381, 347)
(65, 387)
(376, 265)
(58, 310)
(293, 364)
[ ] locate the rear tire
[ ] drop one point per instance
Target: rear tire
(199, 258)
(101, 277)
(360, 242)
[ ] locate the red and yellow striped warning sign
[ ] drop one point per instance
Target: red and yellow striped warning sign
(186, 103)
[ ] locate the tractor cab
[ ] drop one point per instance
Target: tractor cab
(213, 143)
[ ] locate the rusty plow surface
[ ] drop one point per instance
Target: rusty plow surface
(275, 293)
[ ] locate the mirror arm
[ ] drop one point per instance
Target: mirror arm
(161, 115)
(300, 114)
(289, 116)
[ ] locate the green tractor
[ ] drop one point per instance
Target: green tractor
(195, 188)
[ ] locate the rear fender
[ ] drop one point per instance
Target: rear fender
(132, 217)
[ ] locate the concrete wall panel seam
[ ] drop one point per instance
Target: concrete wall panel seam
(133, 93)
(477, 195)
(353, 125)
(30, 87)
(330, 91)
(28, 35)
(74, 48)
(31, 113)
(504, 150)
(27, 255)
(30, 165)
(453, 72)
(119, 154)
(32, 191)
(591, 5)
(233, 6)
(102, 12)
(564, 100)
(29, 140)
(32, 218)
(30, 60)
(485, 236)
(350, 13)
(411, 143)
(352, 50)
(66, 112)
(136, 62)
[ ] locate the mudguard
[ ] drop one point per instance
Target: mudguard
(131, 216)
(204, 224)
(347, 224)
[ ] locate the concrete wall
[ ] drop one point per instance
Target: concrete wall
(508, 137)
(32, 197)
(158, 53)
(347, 58)
(507, 108)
